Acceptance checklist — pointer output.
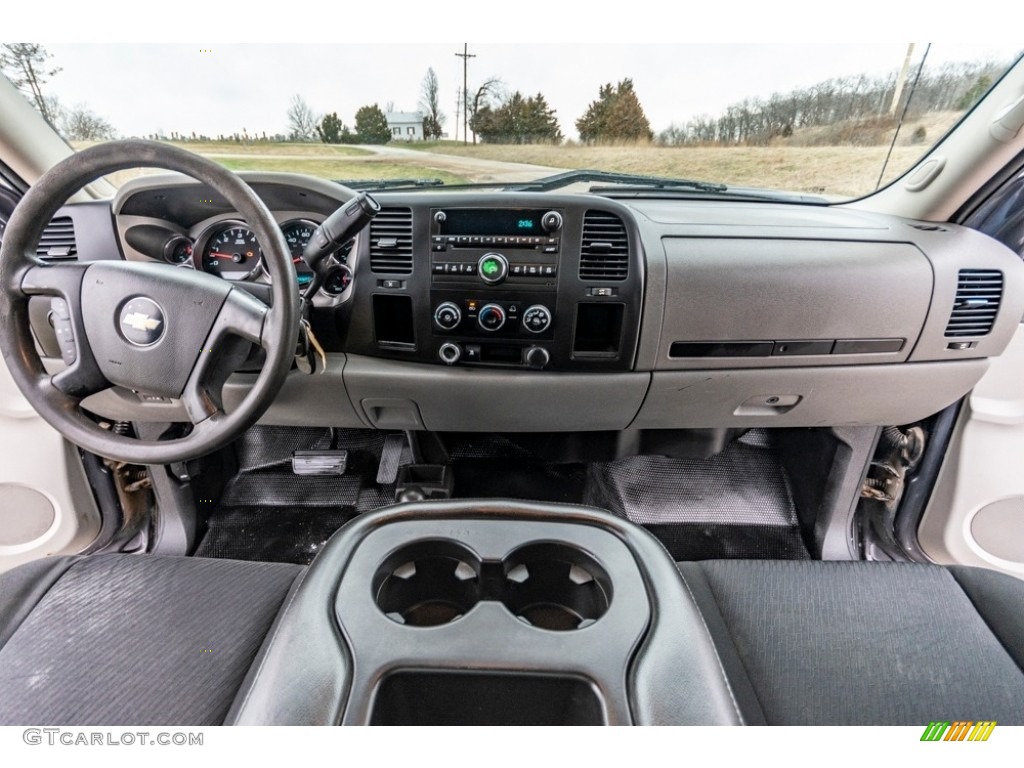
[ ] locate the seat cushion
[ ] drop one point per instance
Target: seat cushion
(828, 643)
(132, 639)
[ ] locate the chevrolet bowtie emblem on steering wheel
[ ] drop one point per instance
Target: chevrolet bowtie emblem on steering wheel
(141, 321)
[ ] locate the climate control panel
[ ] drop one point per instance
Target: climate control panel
(487, 317)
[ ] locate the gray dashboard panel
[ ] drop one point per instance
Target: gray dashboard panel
(774, 290)
(457, 399)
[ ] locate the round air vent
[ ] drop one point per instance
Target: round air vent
(25, 514)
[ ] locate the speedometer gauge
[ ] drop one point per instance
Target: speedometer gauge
(232, 252)
(297, 234)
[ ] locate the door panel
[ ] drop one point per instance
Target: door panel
(976, 513)
(46, 506)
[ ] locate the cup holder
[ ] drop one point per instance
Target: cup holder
(548, 585)
(555, 586)
(428, 583)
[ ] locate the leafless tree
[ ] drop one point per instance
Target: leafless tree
(27, 67)
(302, 121)
(430, 105)
(82, 124)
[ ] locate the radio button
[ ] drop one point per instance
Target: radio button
(551, 221)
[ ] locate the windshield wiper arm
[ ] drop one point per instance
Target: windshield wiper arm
(560, 180)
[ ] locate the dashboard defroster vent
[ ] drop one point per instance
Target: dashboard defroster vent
(978, 295)
(391, 242)
(58, 241)
(604, 253)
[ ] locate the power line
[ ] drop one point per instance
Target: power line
(465, 56)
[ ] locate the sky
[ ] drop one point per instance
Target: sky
(220, 88)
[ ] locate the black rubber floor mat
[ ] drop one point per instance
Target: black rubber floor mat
(271, 534)
(742, 485)
(735, 504)
(265, 476)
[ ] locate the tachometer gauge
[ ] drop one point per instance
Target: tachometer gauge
(232, 252)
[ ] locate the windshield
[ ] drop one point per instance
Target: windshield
(830, 121)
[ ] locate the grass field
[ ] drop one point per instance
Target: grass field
(339, 169)
(327, 161)
(832, 171)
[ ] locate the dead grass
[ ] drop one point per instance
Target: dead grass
(830, 171)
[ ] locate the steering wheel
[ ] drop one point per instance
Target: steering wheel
(159, 330)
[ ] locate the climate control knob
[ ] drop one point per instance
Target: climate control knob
(491, 317)
(492, 268)
(447, 315)
(537, 318)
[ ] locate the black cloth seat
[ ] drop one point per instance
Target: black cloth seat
(828, 643)
(130, 639)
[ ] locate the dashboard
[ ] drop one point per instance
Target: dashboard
(519, 311)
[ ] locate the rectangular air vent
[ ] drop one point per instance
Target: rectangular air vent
(391, 242)
(978, 293)
(604, 253)
(58, 241)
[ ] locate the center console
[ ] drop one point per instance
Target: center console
(489, 282)
(488, 613)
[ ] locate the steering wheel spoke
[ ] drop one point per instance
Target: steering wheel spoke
(81, 376)
(238, 324)
(64, 280)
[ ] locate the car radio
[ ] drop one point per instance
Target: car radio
(494, 278)
(491, 247)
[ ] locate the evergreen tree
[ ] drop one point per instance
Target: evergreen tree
(372, 125)
(616, 115)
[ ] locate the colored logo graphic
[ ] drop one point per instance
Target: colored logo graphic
(141, 321)
(961, 730)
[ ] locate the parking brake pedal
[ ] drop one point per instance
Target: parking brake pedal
(319, 462)
(390, 458)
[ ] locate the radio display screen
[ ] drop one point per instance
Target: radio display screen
(486, 221)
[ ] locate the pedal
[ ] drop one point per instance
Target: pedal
(390, 458)
(319, 462)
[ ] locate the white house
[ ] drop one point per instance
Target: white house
(405, 126)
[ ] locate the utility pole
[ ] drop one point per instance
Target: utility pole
(465, 56)
(458, 104)
(901, 80)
